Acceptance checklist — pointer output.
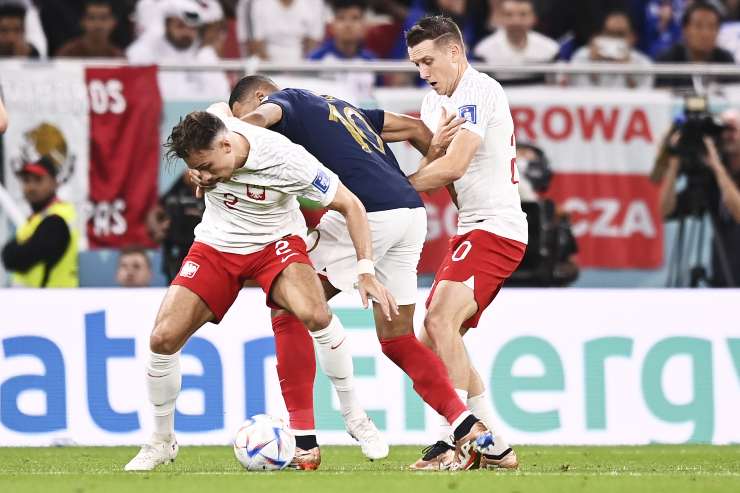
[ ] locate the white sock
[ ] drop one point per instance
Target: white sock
(163, 382)
(336, 362)
(480, 406)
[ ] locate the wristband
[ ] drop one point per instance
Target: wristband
(365, 266)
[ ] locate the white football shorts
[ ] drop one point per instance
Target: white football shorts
(398, 238)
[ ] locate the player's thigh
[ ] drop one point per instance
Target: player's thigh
(399, 325)
(298, 290)
(329, 292)
(397, 268)
(181, 313)
(451, 304)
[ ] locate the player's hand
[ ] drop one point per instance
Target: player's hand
(196, 179)
(447, 128)
(712, 157)
(370, 287)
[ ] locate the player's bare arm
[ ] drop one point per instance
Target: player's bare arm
(398, 128)
(3, 118)
(347, 204)
(450, 167)
(265, 115)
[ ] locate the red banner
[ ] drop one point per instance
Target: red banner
(615, 219)
(125, 112)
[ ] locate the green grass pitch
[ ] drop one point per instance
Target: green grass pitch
(654, 468)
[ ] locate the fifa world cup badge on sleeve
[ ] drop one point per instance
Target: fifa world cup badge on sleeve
(468, 112)
(321, 181)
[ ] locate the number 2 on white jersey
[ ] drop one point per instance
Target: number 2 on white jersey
(281, 248)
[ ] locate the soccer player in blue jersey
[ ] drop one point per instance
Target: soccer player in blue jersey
(352, 142)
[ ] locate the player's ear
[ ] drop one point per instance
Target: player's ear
(225, 144)
(454, 51)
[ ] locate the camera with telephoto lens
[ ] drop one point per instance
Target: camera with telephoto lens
(696, 123)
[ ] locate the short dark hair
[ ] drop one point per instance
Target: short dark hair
(435, 28)
(530, 2)
(248, 84)
(135, 250)
(619, 12)
(13, 10)
(193, 133)
(700, 5)
(337, 5)
(97, 3)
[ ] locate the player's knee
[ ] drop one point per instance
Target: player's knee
(317, 317)
(437, 329)
(162, 341)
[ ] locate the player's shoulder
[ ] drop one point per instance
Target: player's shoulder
(476, 82)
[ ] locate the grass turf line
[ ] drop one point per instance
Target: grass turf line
(654, 468)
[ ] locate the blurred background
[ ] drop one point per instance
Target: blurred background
(627, 116)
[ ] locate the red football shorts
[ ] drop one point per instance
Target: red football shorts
(486, 258)
(216, 277)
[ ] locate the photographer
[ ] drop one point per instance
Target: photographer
(712, 186)
(172, 222)
(548, 260)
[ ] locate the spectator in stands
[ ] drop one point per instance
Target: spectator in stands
(347, 31)
(214, 30)
(516, 43)
(729, 33)
(43, 253)
(716, 191)
(658, 23)
(463, 13)
(98, 22)
(285, 30)
(13, 32)
(34, 30)
(172, 222)
(134, 268)
(180, 42)
(700, 27)
(613, 44)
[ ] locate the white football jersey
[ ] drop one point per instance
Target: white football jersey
(487, 194)
(259, 205)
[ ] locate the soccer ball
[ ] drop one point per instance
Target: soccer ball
(264, 443)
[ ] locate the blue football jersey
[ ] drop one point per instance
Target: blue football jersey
(347, 141)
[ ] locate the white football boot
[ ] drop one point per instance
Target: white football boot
(371, 442)
(154, 453)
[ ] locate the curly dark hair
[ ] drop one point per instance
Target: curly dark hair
(438, 28)
(195, 132)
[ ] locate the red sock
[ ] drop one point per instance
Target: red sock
(296, 368)
(427, 372)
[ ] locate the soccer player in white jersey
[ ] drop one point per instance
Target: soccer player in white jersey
(251, 230)
(479, 170)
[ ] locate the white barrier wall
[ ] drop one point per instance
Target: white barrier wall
(563, 367)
